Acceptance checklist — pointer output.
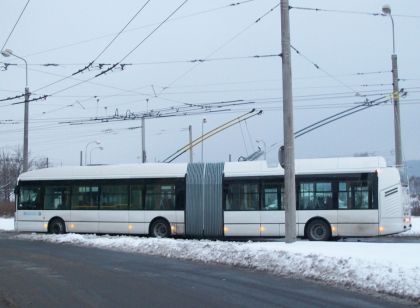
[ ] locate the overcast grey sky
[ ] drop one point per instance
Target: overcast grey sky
(73, 33)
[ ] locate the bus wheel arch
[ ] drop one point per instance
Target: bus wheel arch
(56, 225)
(318, 229)
(160, 227)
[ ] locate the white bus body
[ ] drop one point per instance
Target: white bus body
(337, 197)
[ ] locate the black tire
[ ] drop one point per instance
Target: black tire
(318, 230)
(57, 226)
(160, 228)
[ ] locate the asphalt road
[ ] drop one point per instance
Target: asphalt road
(35, 274)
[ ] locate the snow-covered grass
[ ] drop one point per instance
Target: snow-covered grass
(7, 224)
(391, 268)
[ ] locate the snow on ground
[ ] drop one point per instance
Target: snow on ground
(392, 268)
(7, 224)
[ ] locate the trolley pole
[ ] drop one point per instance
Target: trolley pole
(289, 155)
(143, 140)
(190, 135)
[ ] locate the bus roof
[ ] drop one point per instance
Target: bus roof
(308, 166)
(179, 170)
(127, 171)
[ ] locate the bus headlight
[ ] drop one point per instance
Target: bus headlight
(381, 229)
(407, 220)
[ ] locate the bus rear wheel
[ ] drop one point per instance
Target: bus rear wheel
(318, 230)
(57, 226)
(160, 228)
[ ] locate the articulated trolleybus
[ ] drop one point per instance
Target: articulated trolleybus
(336, 197)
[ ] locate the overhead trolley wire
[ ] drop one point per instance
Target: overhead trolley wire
(220, 47)
(139, 44)
(112, 41)
(113, 66)
(234, 4)
(324, 71)
(101, 65)
(17, 21)
(349, 12)
(100, 53)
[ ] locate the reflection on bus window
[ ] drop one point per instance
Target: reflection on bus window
(271, 194)
(160, 197)
(114, 197)
(242, 197)
(30, 198)
(85, 197)
(57, 198)
(353, 195)
(315, 196)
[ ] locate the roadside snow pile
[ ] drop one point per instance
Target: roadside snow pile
(7, 224)
(388, 268)
(415, 229)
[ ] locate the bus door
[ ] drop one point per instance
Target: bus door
(314, 200)
(356, 217)
(29, 209)
(272, 217)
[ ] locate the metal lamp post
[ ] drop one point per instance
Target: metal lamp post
(386, 10)
(90, 153)
(86, 148)
(8, 53)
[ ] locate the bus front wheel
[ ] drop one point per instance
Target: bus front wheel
(57, 226)
(318, 230)
(160, 228)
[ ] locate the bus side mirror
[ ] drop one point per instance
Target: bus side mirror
(16, 190)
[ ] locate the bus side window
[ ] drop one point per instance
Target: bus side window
(30, 198)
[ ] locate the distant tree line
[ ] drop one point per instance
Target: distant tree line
(11, 166)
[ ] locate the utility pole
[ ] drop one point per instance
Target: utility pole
(8, 53)
(81, 158)
(386, 9)
(190, 135)
(397, 122)
(289, 168)
(143, 140)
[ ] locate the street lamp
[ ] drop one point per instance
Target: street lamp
(8, 53)
(86, 148)
(90, 153)
(265, 147)
(386, 10)
(202, 141)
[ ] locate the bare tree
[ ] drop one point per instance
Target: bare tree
(11, 165)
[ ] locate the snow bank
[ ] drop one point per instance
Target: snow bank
(381, 267)
(7, 224)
